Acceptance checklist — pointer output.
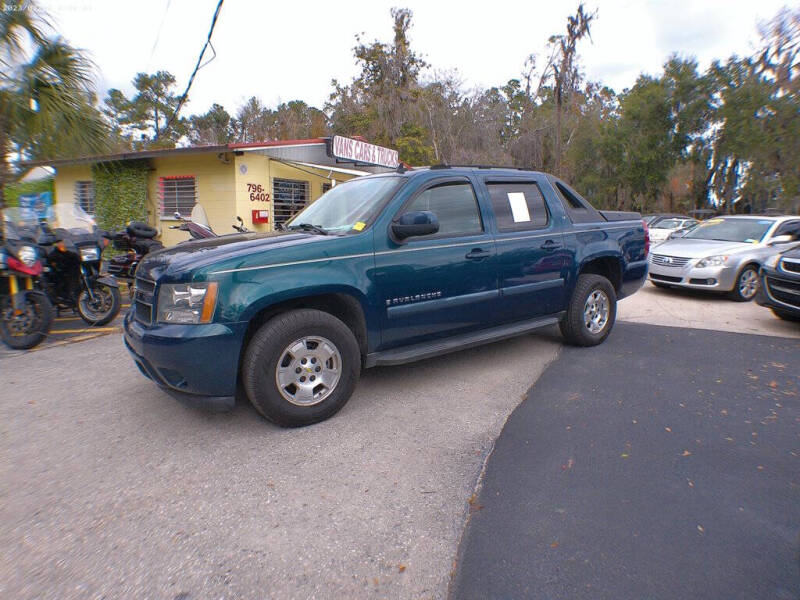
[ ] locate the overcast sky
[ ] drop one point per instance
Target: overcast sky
(281, 50)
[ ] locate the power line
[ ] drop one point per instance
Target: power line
(196, 67)
(158, 35)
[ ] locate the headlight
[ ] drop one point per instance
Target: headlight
(712, 261)
(27, 254)
(187, 302)
(90, 253)
(772, 261)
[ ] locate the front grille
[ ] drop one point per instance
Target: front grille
(663, 260)
(788, 264)
(144, 300)
(669, 278)
(784, 290)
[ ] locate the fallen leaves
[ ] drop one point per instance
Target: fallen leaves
(668, 429)
(401, 568)
(701, 529)
(568, 465)
(773, 384)
(686, 453)
(554, 545)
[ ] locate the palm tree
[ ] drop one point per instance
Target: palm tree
(46, 93)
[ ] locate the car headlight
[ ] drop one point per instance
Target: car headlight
(90, 253)
(187, 302)
(27, 254)
(712, 261)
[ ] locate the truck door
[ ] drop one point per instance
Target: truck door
(440, 284)
(530, 250)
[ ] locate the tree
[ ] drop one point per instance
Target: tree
(146, 120)
(565, 72)
(46, 93)
(214, 127)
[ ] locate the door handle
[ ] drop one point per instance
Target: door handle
(478, 254)
(550, 245)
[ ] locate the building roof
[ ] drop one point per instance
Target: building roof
(156, 153)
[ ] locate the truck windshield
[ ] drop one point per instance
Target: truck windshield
(349, 207)
(731, 230)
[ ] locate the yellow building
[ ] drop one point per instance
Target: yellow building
(263, 183)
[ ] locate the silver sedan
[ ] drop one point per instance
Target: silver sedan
(722, 254)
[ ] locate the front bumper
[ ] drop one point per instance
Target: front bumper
(779, 291)
(197, 364)
(719, 279)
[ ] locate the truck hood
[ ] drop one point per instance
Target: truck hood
(194, 254)
(692, 248)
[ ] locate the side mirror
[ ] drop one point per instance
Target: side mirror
(177, 215)
(781, 239)
(422, 222)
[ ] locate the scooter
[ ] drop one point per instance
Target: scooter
(26, 314)
(197, 224)
(137, 241)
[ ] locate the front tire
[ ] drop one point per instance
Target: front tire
(746, 286)
(103, 309)
(26, 330)
(301, 367)
(786, 316)
(591, 313)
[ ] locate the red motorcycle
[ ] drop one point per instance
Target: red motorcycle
(26, 314)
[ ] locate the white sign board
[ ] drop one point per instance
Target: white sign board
(362, 152)
(519, 208)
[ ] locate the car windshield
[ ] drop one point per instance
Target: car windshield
(731, 230)
(349, 207)
(20, 223)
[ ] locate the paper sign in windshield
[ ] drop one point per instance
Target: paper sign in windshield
(519, 208)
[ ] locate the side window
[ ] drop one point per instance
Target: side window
(789, 228)
(578, 211)
(455, 206)
(518, 206)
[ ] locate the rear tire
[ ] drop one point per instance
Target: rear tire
(746, 286)
(591, 313)
(35, 325)
(301, 367)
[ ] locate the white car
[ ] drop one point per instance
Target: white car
(661, 230)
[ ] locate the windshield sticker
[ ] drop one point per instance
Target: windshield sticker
(519, 208)
(359, 226)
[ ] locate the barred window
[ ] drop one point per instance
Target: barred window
(289, 197)
(84, 195)
(177, 193)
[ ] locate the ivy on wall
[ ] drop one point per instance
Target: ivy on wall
(120, 192)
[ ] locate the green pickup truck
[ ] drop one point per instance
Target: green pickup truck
(381, 270)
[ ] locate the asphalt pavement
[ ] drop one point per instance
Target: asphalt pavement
(666, 465)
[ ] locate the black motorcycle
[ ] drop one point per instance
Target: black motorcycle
(25, 313)
(72, 277)
(137, 241)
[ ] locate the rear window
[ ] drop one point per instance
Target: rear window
(579, 210)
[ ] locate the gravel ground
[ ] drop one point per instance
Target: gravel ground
(111, 489)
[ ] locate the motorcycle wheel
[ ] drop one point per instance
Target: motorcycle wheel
(25, 330)
(103, 309)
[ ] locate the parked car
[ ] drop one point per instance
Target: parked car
(678, 233)
(662, 229)
(722, 254)
(651, 220)
(780, 284)
(381, 270)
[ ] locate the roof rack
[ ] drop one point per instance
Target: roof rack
(444, 166)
